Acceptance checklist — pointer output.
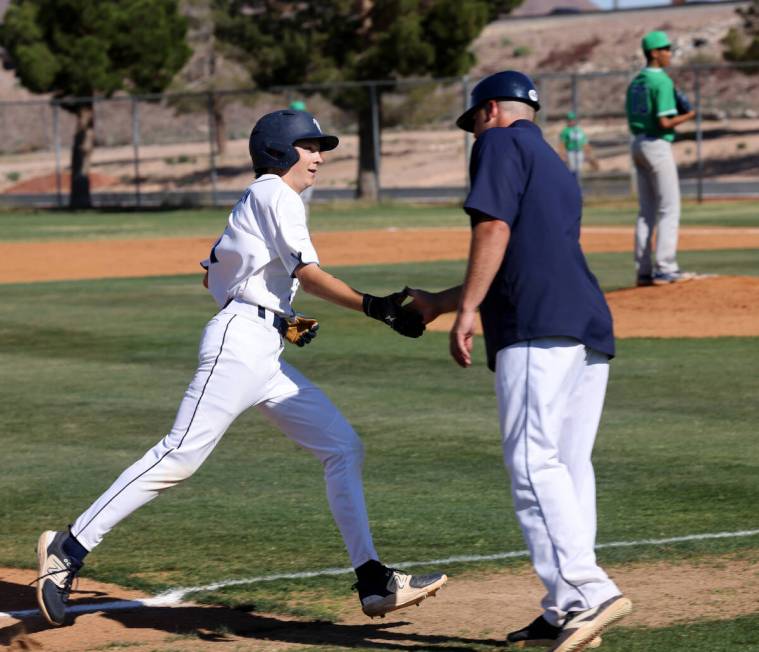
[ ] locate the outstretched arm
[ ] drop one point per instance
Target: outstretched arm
(389, 310)
(316, 281)
(430, 305)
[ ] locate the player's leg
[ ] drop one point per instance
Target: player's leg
(228, 380)
(306, 415)
(647, 208)
(531, 383)
(579, 429)
(225, 384)
(668, 213)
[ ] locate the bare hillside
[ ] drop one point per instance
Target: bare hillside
(601, 41)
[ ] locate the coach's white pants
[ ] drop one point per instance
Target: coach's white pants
(239, 367)
(659, 204)
(550, 396)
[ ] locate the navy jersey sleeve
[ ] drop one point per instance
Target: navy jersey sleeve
(498, 177)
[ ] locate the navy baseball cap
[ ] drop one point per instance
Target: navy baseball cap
(505, 85)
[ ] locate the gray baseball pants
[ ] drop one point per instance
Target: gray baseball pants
(659, 201)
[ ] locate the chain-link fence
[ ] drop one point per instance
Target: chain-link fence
(192, 148)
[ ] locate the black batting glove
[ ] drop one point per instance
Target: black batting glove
(390, 311)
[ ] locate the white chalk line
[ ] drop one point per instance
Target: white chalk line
(174, 597)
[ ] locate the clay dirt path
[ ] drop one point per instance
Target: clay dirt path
(471, 612)
(25, 262)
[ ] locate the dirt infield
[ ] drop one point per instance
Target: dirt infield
(705, 308)
(470, 613)
(28, 262)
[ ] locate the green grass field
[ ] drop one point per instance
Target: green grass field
(93, 372)
(85, 225)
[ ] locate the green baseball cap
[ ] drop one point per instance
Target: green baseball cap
(654, 41)
(571, 116)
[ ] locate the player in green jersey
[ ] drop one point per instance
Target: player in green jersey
(573, 143)
(654, 108)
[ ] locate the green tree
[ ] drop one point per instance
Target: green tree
(742, 44)
(354, 41)
(82, 49)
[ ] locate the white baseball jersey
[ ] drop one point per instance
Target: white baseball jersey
(266, 238)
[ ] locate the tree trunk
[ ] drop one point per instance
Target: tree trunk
(220, 125)
(81, 156)
(368, 174)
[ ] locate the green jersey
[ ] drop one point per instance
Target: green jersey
(650, 96)
(573, 138)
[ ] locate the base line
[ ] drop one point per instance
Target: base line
(176, 596)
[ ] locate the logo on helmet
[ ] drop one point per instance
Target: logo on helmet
(533, 94)
(317, 125)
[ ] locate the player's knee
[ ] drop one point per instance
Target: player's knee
(348, 447)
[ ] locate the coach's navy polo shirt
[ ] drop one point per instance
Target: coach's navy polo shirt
(543, 287)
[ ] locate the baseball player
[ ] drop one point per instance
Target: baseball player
(253, 272)
(548, 337)
(573, 141)
(654, 108)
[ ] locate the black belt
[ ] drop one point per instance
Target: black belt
(280, 323)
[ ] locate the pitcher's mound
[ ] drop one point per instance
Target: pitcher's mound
(707, 306)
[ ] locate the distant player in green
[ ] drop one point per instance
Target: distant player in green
(573, 142)
(654, 108)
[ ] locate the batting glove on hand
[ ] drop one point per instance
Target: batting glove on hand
(301, 330)
(390, 311)
(682, 102)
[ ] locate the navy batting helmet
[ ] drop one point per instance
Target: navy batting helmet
(271, 141)
(506, 85)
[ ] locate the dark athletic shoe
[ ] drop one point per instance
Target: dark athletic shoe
(583, 626)
(539, 633)
(396, 590)
(645, 280)
(56, 573)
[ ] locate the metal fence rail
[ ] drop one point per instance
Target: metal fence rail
(191, 148)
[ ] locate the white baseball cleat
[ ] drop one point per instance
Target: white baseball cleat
(396, 590)
(539, 633)
(582, 627)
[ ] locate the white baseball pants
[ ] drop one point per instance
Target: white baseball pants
(659, 202)
(550, 397)
(239, 367)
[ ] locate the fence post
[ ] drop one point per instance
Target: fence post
(574, 95)
(57, 146)
(136, 149)
(544, 106)
(212, 149)
(699, 139)
(376, 137)
(467, 135)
